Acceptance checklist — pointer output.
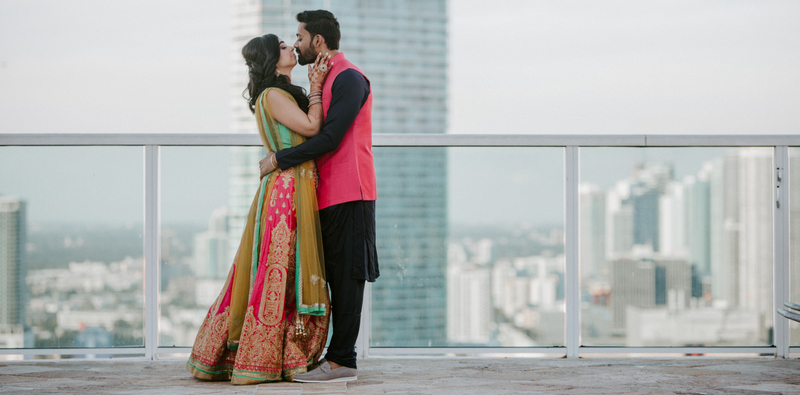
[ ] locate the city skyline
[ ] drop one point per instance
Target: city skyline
(624, 288)
(693, 246)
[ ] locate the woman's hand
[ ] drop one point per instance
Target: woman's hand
(318, 71)
(266, 165)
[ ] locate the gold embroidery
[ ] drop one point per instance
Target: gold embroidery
(271, 300)
(287, 178)
(259, 347)
(271, 309)
(209, 351)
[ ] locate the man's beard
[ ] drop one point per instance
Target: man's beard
(306, 58)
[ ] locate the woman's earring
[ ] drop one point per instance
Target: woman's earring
(277, 73)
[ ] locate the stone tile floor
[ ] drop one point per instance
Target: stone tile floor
(691, 375)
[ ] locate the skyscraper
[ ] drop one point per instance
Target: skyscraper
(593, 235)
(401, 45)
(697, 215)
(671, 220)
(755, 237)
(211, 247)
(794, 234)
(12, 262)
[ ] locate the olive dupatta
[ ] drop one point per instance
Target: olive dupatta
(310, 285)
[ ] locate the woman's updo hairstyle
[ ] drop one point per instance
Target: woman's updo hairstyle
(261, 55)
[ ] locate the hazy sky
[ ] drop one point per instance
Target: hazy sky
(670, 66)
(676, 66)
(585, 67)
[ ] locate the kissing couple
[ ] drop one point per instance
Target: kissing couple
(309, 243)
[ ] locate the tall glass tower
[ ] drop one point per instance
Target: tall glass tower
(401, 45)
(12, 263)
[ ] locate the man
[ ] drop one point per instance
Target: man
(347, 189)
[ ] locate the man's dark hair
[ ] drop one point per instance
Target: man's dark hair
(323, 23)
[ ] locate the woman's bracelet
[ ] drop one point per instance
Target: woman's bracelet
(275, 162)
(315, 94)
(314, 101)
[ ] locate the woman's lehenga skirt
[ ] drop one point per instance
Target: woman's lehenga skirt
(268, 348)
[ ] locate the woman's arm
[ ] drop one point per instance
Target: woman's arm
(290, 115)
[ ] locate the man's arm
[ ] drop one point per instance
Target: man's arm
(349, 92)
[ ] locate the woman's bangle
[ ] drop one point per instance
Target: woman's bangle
(314, 101)
(275, 162)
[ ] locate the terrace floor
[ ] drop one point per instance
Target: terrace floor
(453, 375)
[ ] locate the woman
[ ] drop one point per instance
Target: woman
(270, 322)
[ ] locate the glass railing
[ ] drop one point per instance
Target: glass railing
(572, 245)
(71, 251)
(676, 246)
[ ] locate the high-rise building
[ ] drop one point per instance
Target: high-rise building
(401, 45)
(755, 236)
(720, 270)
(211, 247)
(593, 231)
(648, 182)
(671, 221)
(469, 304)
(697, 216)
(648, 283)
(794, 234)
(13, 269)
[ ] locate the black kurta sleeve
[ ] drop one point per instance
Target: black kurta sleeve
(349, 92)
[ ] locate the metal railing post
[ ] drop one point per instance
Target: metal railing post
(571, 250)
(780, 270)
(362, 342)
(152, 247)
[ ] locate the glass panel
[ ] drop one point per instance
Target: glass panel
(676, 246)
(470, 244)
(71, 267)
(196, 253)
(794, 239)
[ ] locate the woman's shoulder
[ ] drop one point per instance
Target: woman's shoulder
(278, 95)
(272, 96)
(275, 92)
(266, 91)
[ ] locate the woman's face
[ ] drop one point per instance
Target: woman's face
(288, 59)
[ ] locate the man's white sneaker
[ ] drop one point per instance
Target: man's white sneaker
(325, 374)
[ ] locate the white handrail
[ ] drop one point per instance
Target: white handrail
(416, 140)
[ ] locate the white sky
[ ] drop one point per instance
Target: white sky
(675, 66)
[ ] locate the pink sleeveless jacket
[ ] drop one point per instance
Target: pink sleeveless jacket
(348, 173)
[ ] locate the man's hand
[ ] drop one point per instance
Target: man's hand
(266, 165)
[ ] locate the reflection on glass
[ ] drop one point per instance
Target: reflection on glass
(71, 267)
(676, 246)
(794, 239)
(196, 201)
(470, 243)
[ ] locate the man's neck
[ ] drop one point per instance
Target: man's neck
(324, 49)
